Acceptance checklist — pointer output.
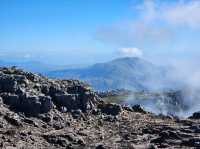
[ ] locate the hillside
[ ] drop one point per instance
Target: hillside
(126, 73)
(37, 112)
(33, 66)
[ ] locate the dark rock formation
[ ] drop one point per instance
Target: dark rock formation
(33, 94)
(195, 115)
(138, 108)
(110, 108)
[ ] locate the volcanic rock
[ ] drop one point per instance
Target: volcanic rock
(192, 142)
(138, 108)
(110, 108)
(33, 94)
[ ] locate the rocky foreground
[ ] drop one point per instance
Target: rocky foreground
(37, 112)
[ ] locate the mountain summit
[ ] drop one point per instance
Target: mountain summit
(127, 73)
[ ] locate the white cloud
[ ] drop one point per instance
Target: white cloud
(147, 10)
(157, 22)
(185, 13)
(131, 52)
(178, 13)
(27, 56)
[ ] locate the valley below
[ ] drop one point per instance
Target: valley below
(158, 102)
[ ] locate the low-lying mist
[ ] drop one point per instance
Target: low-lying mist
(178, 94)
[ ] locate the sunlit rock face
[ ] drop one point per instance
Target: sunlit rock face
(33, 94)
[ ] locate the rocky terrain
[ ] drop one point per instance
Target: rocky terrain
(37, 112)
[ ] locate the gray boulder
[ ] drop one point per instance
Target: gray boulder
(70, 101)
(8, 83)
(110, 108)
(34, 105)
(138, 108)
(29, 104)
(75, 101)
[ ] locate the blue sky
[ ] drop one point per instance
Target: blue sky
(89, 31)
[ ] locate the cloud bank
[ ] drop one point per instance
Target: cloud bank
(131, 52)
(176, 13)
(183, 13)
(156, 23)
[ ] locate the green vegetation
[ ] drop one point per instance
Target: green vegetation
(136, 95)
(116, 99)
(139, 96)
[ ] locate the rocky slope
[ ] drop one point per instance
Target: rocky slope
(37, 112)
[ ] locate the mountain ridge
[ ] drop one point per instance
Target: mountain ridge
(127, 72)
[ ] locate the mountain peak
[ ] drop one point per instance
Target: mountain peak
(127, 72)
(130, 60)
(127, 59)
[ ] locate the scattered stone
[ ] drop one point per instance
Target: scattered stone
(13, 120)
(192, 142)
(195, 128)
(57, 140)
(100, 146)
(46, 117)
(110, 118)
(128, 108)
(77, 114)
(169, 135)
(157, 140)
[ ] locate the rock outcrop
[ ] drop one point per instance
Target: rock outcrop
(33, 94)
(110, 108)
(195, 115)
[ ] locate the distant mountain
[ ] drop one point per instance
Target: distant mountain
(127, 73)
(34, 66)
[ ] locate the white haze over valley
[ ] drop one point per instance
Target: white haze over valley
(185, 71)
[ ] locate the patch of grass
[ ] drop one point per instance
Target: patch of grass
(136, 96)
(115, 99)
